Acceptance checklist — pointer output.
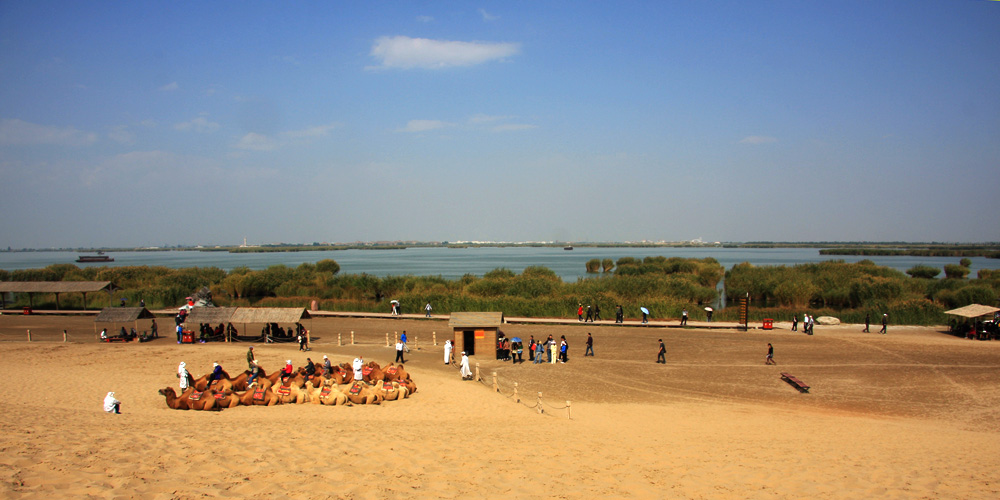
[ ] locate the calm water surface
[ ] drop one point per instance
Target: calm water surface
(452, 263)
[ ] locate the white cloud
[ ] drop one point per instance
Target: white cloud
(260, 142)
(758, 139)
(198, 124)
(405, 52)
(511, 127)
(170, 87)
(423, 125)
(14, 131)
(257, 142)
(481, 118)
(122, 134)
(487, 16)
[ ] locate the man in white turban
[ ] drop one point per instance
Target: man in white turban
(111, 405)
(466, 372)
(183, 375)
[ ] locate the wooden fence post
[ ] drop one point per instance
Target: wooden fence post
(29, 335)
(569, 414)
(516, 397)
(387, 339)
(477, 372)
(539, 403)
(435, 337)
(64, 336)
(339, 342)
(496, 387)
(352, 337)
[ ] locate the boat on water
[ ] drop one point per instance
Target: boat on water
(568, 247)
(100, 257)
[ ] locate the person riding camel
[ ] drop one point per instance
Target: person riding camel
(215, 376)
(327, 367)
(254, 367)
(286, 372)
(310, 367)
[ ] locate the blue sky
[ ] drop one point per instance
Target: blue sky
(165, 123)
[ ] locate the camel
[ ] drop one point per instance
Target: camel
(225, 399)
(290, 393)
(410, 386)
(362, 393)
(372, 373)
(392, 391)
(260, 395)
(189, 400)
(200, 383)
(328, 393)
(344, 373)
(395, 372)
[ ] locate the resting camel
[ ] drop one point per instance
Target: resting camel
(200, 383)
(260, 395)
(225, 399)
(372, 373)
(363, 394)
(290, 393)
(392, 391)
(328, 393)
(395, 372)
(189, 400)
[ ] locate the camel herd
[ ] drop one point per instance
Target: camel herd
(338, 387)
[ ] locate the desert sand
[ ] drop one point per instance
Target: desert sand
(911, 414)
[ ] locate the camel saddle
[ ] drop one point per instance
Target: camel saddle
(285, 390)
(367, 370)
(391, 370)
(326, 391)
(258, 393)
(387, 386)
(196, 396)
(356, 389)
(220, 395)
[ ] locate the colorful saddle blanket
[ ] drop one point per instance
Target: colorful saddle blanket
(356, 389)
(326, 391)
(391, 370)
(196, 396)
(367, 370)
(387, 386)
(285, 390)
(258, 393)
(220, 395)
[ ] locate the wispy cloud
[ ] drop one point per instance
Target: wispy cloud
(260, 142)
(405, 53)
(122, 134)
(487, 16)
(170, 87)
(481, 118)
(513, 127)
(198, 124)
(424, 19)
(14, 131)
(758, 139)
(423, 125)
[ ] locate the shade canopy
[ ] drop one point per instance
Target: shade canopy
(122, 314)
(973, 311)
(475, 319)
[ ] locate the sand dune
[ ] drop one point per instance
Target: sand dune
(913, 414)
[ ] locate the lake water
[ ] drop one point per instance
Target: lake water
(452, 263)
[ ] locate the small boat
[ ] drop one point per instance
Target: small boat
(568, 247)
(100, 257)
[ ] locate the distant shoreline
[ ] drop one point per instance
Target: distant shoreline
(933, 249)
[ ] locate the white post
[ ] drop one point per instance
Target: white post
(496, 387)
(29, 335)
(516, 397)
(352, 337)
(435, 335)
(387, 339)
(339, 343)
(539, 403)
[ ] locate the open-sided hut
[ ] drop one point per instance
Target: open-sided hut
(475, 331)
(122, 316)
(54, 287)
(268, 315)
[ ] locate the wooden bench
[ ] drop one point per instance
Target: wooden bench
(115, 339)
(796, 383)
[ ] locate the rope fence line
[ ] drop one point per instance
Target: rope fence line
(513, 394)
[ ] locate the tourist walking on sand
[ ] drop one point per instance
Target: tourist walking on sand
(769, 360)
(563, 350)
(112, 405)
(590, 345)
(399, 352)
(531, 349)
(447, 351)
(465, 370)
(180, 331)
(553, 351)
(795, 323)
(403, 339)
(885, 324)
(661, 355)
(153, 331)
(868, 323)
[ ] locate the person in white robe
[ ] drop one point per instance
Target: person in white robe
(111, 405)
(359, 362)
(183, 375)
(466, 371)
(447, 352)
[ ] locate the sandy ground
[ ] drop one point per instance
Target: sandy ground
(912, 414)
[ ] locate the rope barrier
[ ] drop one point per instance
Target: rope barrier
(538, 405)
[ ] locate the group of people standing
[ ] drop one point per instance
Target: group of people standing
(548, 351)
(807, 324)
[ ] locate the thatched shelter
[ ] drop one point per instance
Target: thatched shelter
(475, 331)
(56, 287)
(973, 311)
(211, 315)
(122, 315)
